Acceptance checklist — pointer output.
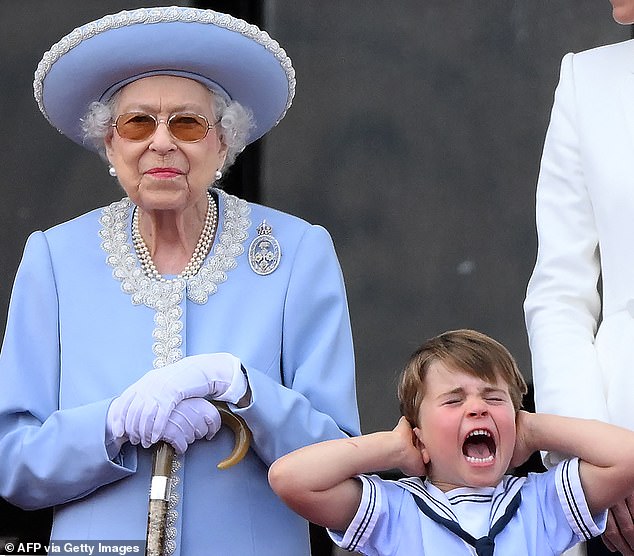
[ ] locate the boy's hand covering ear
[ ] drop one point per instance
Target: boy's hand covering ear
(412, 463)
(523, 448)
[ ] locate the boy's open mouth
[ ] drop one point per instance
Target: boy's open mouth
(479, 446)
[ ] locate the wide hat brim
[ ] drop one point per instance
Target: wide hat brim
(231, 56)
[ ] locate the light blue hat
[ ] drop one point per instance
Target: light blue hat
(228, 55)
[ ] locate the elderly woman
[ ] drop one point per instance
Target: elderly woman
(127, 322)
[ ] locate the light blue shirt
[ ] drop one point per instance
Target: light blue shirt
(552, 516)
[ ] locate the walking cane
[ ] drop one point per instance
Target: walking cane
(162, 469)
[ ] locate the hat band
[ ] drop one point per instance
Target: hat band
(211, 85)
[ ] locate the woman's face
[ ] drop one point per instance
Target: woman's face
(623, 11)
(161, 172)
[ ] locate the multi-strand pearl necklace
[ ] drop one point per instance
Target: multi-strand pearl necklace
(200, 252)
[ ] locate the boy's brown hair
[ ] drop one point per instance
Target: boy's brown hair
(466, 350)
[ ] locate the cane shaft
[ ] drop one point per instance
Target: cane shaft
(159, 498)
(157, 517)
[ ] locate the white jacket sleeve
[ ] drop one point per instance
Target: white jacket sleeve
(562, 306)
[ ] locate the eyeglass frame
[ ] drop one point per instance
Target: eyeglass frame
(158, 121)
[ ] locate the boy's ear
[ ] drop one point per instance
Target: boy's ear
(420, 444)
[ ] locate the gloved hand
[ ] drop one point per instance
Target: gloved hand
(192, 419)
(142, 410)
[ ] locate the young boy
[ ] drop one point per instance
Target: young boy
(462, 392)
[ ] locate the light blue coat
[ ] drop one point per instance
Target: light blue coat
(84, 324)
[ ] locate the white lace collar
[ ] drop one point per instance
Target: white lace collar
(233, 227)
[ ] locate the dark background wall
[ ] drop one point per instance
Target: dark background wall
(414, 138)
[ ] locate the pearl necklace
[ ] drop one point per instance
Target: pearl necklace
(200, 252)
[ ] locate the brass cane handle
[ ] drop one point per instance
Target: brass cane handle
(241, 433)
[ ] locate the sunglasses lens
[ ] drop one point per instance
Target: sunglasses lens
(138, 126)
(188, 127)
(135, 126)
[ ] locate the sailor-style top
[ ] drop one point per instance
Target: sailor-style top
(413, 517)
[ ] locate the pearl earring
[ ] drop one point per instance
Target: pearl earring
(218, 175)
(112, 171)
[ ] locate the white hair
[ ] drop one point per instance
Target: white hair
(235, 123)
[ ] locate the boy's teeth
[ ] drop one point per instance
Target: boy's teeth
(479, 431)
(472, 459)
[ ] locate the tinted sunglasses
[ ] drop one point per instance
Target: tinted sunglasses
(139, 126)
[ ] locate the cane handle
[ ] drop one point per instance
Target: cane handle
(241, 433)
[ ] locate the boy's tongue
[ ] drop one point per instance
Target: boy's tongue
(476, 449)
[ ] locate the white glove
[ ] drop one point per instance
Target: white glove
(192, 419)
(142, 410)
